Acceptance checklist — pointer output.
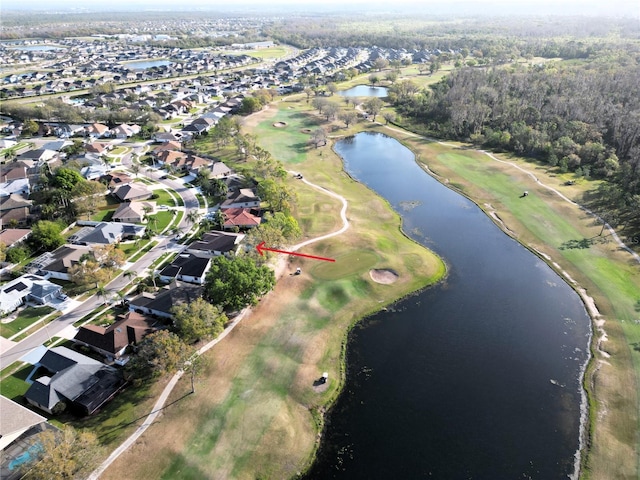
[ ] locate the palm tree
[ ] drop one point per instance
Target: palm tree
(129, 274)
(122, 298)
(193, 216)
(101, 291)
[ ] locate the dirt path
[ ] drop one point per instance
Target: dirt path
(279, 272)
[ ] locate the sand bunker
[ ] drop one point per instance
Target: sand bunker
(280, 124)
(385, 276)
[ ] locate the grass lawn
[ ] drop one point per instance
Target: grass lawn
(24, 320)
(14, 386)
(255, 412)
(264, 53)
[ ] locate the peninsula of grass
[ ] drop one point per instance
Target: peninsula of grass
(256, 413)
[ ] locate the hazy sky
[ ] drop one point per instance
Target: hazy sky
(585, 7)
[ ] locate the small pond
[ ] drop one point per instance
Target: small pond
(143, 64)
(364, 91)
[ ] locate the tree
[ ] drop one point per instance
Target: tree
(193, 216)
(88, 271)
(198, 320)
(109, 256)
(389, 117)
(380, 63)
(66, 178)
(160, 352)
(30, 128)
(374, 79)
(276, 230)
(373, 107)
(332, 87)
(236, 283)
(348, 117)
(308, 92)
(250, 105)
(331, 109)
(276, 194)
(319, 137)
(391, 76)
(70, 454)
(46, 235)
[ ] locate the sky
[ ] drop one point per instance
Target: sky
(491, 7)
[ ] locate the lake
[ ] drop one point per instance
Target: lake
(478, 377)
(143, 64)
(364, 91)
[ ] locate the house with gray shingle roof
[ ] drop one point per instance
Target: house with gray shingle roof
(68, 377)
(162, 302)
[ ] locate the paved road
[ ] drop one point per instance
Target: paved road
(52, 329)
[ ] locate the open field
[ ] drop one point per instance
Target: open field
(255, 412)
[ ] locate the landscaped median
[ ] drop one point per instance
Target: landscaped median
(256, 412)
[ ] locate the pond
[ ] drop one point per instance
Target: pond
(37, 48)
(364, 91)
(478, 377)
(143, 64)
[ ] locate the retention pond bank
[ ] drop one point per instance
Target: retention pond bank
(479, 377)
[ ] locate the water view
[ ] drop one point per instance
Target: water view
(143, 64)
(478, 377)
(37, 48)
(364, 91)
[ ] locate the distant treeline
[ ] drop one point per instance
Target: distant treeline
(566, 37)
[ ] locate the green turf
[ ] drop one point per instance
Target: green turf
(351, 263)
(14, 386)
(24, 320)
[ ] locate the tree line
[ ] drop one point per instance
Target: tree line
(579, 117)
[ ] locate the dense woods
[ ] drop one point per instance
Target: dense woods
(583, 118)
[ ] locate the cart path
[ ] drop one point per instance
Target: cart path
(160, 403)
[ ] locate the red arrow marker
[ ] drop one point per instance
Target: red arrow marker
(261, 248)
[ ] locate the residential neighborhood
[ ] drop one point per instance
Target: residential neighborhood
(113, 217)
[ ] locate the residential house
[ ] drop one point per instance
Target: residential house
(27, 288)
(170, 145)
(186, 267)
(15, 421)
(125, 131)
(63, 376)
(97, 130)
(241, 198)
(98, 148)
(182, 161)
(216, 243)
(162, 302)
(241, 218)
(94, 172)
(38, 156)
(14, 208)
(112, 341)
(14, 236)
(220, 170)
(13, 171)
(116, 179)
(131, 192)
(164, 137)
(18, 186)
(56, 264)
(133, 212)
(105, 233)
